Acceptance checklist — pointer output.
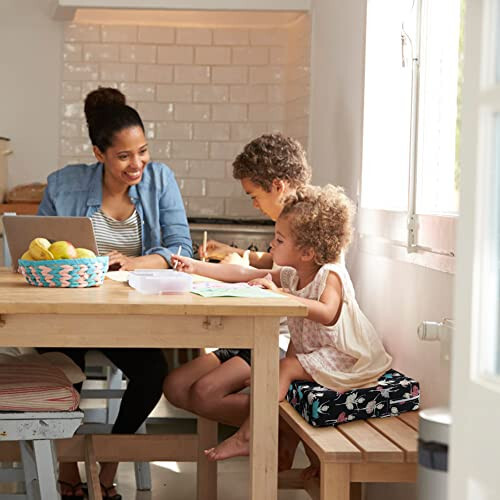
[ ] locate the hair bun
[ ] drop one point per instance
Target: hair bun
(102, 99)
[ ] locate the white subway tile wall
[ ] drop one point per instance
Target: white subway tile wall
(297, 88)
(203, 93)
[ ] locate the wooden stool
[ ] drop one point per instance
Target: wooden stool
(35, 432)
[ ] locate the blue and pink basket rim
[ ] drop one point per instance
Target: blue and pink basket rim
(65, 273)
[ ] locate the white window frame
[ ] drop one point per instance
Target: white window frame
(422, 239)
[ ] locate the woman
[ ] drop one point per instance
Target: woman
(139, 221)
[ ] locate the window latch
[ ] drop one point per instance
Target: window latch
(403, 43)
(412, 232)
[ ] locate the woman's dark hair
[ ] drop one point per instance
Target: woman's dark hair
(107, 114)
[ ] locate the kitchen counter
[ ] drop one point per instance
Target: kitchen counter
(19, 208)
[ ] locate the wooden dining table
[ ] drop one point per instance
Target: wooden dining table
(114, 315)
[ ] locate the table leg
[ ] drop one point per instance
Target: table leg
(207, 471)
(91, 468)
(264, 410)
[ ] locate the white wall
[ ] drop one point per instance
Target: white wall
(30, 75)
(337, 90)
(396, 296)
(203, 93)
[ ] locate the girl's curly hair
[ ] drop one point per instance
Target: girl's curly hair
(273, 156)
(321, 219)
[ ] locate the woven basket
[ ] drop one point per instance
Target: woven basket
(64, 273)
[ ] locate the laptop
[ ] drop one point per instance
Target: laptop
(20, 230)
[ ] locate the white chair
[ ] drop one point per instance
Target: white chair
(36, 432)
(99, 420)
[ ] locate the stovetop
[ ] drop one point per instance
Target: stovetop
(228, 221)
(254, 234)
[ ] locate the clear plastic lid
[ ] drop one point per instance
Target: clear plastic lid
(160, 281)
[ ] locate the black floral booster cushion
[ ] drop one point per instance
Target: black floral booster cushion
(321, 407)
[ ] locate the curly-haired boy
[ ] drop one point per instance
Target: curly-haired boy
(270, 168)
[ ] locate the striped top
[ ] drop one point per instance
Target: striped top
(123, 236)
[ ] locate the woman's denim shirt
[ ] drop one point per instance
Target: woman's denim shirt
(76, 190)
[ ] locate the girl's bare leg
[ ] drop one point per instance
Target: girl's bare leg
(287, 446)
(239, 443)
(314, 468)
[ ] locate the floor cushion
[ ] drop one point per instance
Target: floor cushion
(394, 394)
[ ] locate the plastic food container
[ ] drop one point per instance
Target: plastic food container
(160, 281)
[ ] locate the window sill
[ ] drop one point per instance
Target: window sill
(398, 251)
(385, 233)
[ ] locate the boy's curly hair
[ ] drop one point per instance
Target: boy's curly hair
(321, 219)
(273, 156)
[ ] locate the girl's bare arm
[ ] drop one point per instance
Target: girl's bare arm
(327, 309)
(290, 352)
(224, 272)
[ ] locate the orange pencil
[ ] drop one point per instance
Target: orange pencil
(204, 245)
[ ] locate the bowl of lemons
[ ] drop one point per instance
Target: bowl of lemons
(59, 264)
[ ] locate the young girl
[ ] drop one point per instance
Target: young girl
(335, 345)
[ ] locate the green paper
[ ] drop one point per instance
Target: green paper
(215, 289)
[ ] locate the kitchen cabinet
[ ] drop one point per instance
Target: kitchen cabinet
(5, 151)
(19, 208)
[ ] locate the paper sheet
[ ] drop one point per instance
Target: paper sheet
(218, 289)
(118, 276)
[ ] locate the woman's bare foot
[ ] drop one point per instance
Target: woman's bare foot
(287, 445)
(234, 446)
(69, 480)
(106, 477)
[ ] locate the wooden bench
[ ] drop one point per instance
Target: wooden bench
(94, 448)
(378, 450)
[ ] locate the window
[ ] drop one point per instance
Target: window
(437, 191)
(410, 174)
(494, 240)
